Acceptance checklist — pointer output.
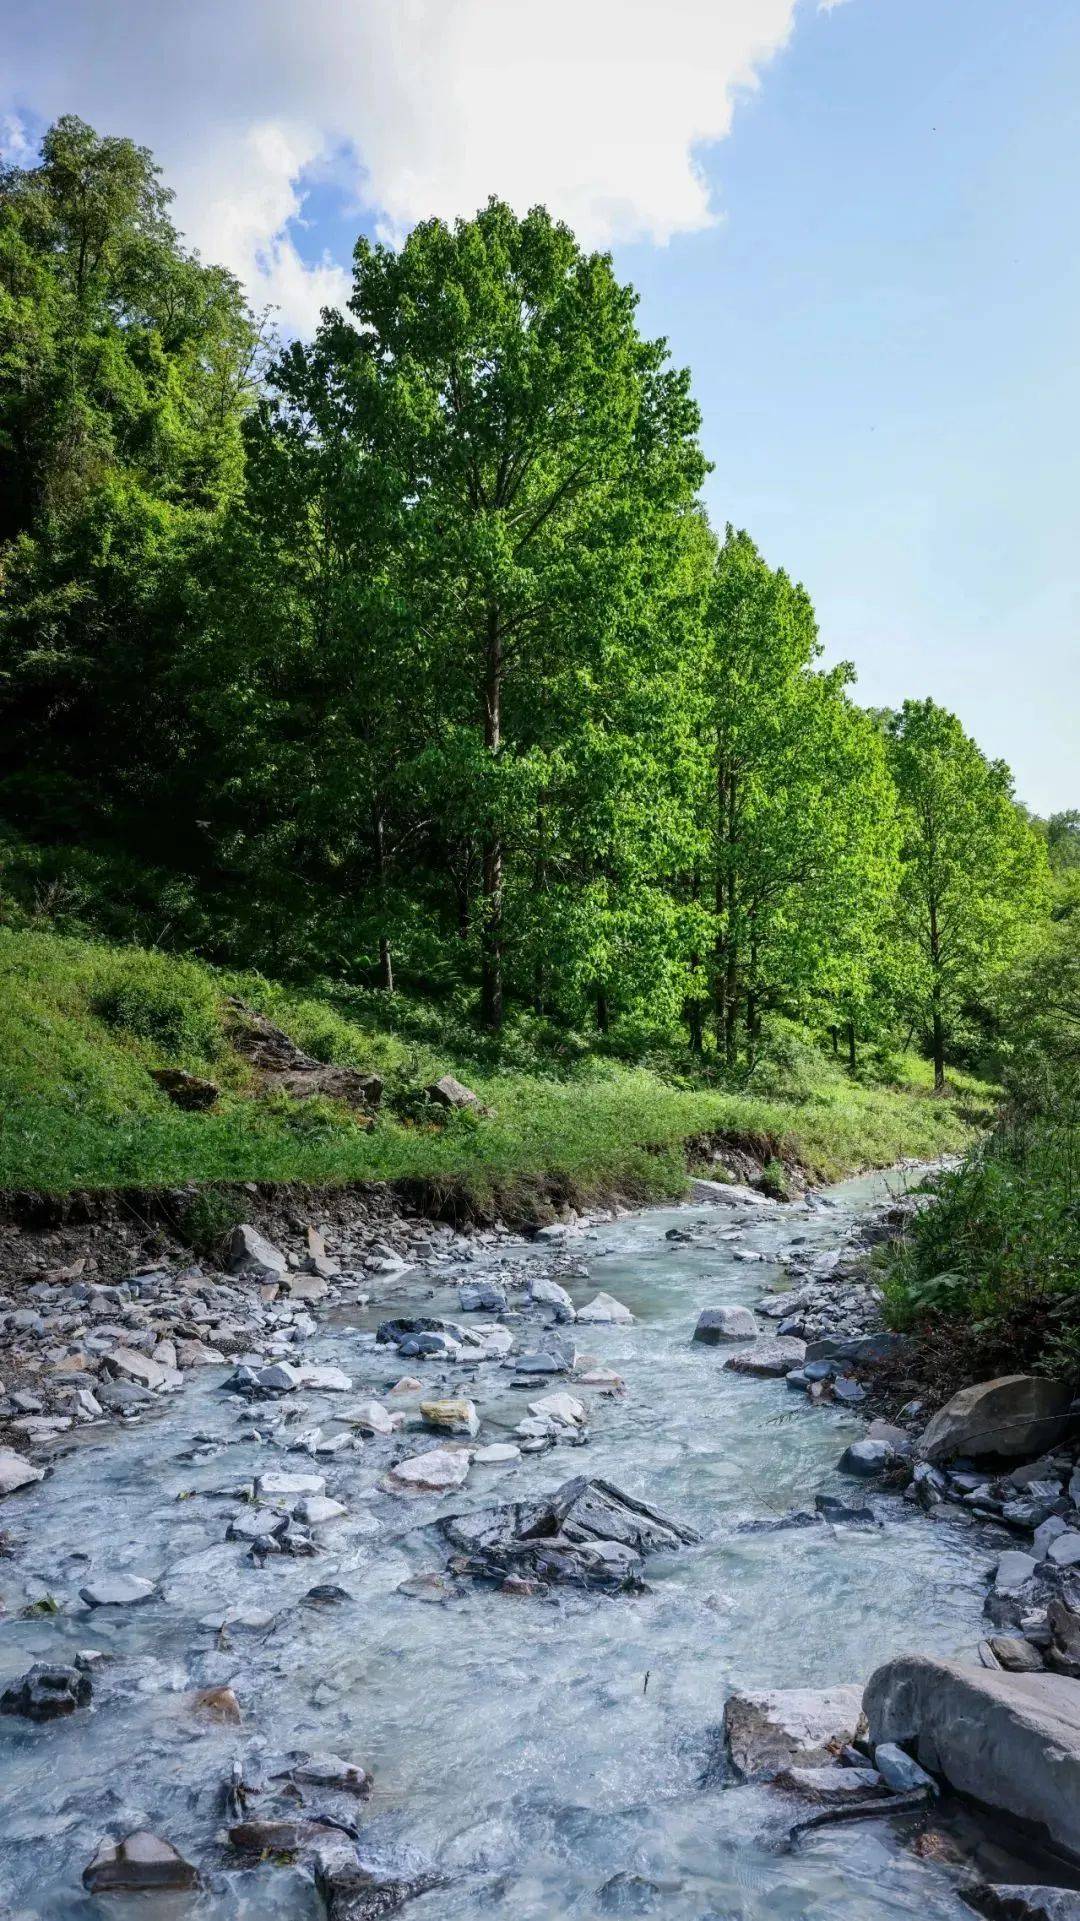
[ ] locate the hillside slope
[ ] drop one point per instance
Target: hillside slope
(83, 1026)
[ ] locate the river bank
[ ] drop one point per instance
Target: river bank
(541, 1750)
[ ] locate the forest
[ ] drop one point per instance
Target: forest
(406, 659)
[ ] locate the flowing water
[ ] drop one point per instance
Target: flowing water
(533, 1749)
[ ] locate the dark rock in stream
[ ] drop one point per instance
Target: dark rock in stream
(139, 1864)
(357, 1887)
(586, 1534)
(1023, 1901)
(47, 1693)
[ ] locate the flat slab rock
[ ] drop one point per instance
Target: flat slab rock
(1012, 1741)
(15, 1472)
(728, 1194)
(769, 1730)
(587, 1534)
(831, 1787)
(770, 1358)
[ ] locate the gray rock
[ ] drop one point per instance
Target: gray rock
(1014, 1416)
(1064, 1550)
(481, 1297)
(831, 1786)
(900, 1772)
(769, 1358)
(865, 1459)
(771, 1729)
(117, 1590)
(251, 1253)
(15, 1472)
(1012, 1571)
(587, 1534)
(548, 1293)
(716, 1324)
(1012, 1741)
(604, 1310)
(449, 1092)
(46, 1693)
(728, 1194)
(140, 1863)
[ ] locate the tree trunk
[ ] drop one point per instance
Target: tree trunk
(491, 961)
(835, 1033)
(851, 1045)
(935, 1000)
(386, 962)
(603, 1016)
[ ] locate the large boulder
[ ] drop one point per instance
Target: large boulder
(770, 1730)
(728, 1194)
(46, 1693)
(1011, 1741)
(1016, 1416)
(15, 1472)
(140, 1864)
(716, 1324)
(251, 1253)
(770, 1358)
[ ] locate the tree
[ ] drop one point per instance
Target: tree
(547, 447)
(797, 812)
(973, 871)
(125, 369)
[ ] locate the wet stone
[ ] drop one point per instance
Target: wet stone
(141, 1863)
(47, 1693)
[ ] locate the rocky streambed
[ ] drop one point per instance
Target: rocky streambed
(405, 1568)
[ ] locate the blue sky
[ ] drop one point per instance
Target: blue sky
(855, 223)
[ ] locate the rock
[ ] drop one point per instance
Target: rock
(357, 1888)
(1012, 1741)
(848, 1391)
(547, 1293)
(117, 1590)
(728, 1194)
(865, 1349)
(541, 1361)
(1013, 1652)
(588, 1533)
(1064, 1550)
(481, 1297)
(898, 1438)
(496, 1455)
(434, 1472)
(370, 1417)
(1013, 1569)
(278, 1378)
(285, 1834)
(900, 1772)
(604, 1309)
(287, 1488)
(217, 1704)
(47, 1693)
(186, 1090)
(1023, 1901)
(453, 1417)
(831, 1786)
(329, 1771)
(128, 1365)
(452, 1093)
(251, 1253)
(864, 1459)
(140, 1864)
(769, 1358)
(329, 1380)
(770, 1729)
(716, 1324)
(316, 1510)
(15, 1472)
(561, 1408)
(1014, 1416)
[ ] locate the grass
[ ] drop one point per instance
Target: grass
(83, 1024)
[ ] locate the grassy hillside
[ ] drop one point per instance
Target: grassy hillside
(82, 1025)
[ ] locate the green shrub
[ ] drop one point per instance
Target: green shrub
(170, 1003)
(207, 1222)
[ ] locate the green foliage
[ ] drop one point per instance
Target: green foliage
(78, 1108)
(170, 1003)
(207, 1222)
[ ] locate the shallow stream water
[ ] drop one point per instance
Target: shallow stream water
(532, 1749)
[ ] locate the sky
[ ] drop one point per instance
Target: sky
(854, 220)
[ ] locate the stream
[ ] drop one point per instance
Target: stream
(551, 1756)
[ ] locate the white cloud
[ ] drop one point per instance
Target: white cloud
(600, 108)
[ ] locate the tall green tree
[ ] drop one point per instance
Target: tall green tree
(126, 366)
(548, 447)
(973, 870)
